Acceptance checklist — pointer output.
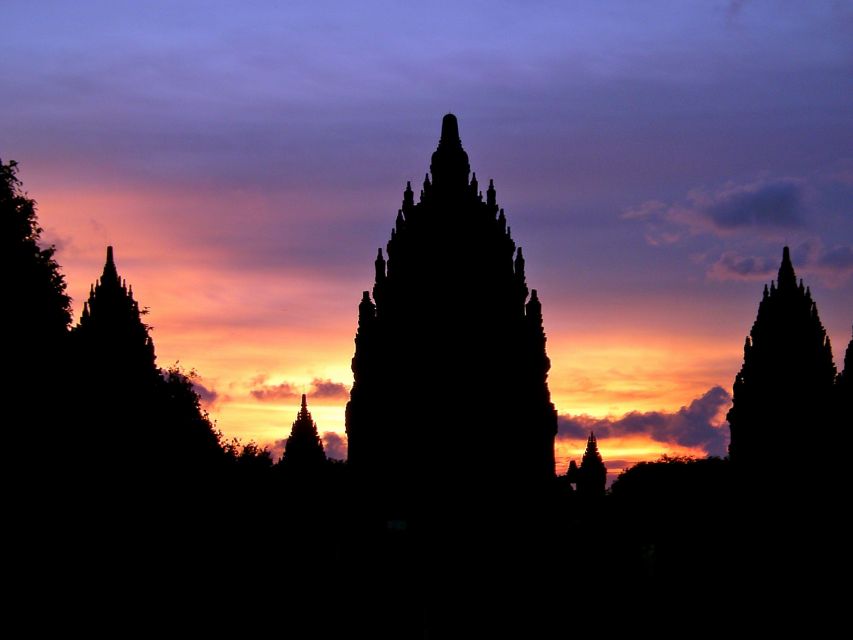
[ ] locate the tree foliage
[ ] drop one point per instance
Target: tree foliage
(33, 284)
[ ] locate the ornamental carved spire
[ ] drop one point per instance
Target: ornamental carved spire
(782, 394)
(450, 311)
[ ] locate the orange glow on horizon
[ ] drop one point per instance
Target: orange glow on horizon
(620, 453)
(238, 324)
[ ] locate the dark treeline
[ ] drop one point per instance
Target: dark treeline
(118, 474)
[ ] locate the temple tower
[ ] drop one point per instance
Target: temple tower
(304, 449)
(783, 393)
(450, 401)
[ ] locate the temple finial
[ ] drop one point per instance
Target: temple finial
(449, 130)
(304, 401)
(787, 277)
(110, 272)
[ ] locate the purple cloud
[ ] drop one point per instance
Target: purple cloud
(833, 266)
(768, 205)
(207, 396)
(335, 445)
(267, 393)
(732, 266)
(692, 426)
(838, 259)
(328, 390)
(762, 204)
(277, 449)
(320, 389)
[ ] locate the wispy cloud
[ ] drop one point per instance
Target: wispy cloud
(764, 205)
(319, 389)
(269, 393)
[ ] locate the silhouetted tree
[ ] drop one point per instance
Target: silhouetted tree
(39, 311)
(35, 319)
(675, 514)
(250, 457)
(190, 445)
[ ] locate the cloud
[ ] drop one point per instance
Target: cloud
(328, 390)
(207, 396)
(320, 389)
(732, 266)
(267, 393)
(762, 204)
(277, 449)
(838, 259)
(765, 205)
(335, 445)
(696, 425)
(833, 266)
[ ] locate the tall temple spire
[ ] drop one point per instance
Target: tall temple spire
(449, 300)
(783, 392)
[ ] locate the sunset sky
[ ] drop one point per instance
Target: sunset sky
(247, 159)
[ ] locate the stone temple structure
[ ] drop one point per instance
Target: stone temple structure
(783, 393)
(450, 405)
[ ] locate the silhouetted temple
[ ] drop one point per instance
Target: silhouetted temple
(450, 399)
(111, 334)
(124, 400)
(783, 393)
(590, 478)
(304, 449)
(115, 378)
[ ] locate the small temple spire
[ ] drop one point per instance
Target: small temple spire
(304, 449)
(491, 195)
(533, 309)
(591, 476)
(408, 196)
(380, 266)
